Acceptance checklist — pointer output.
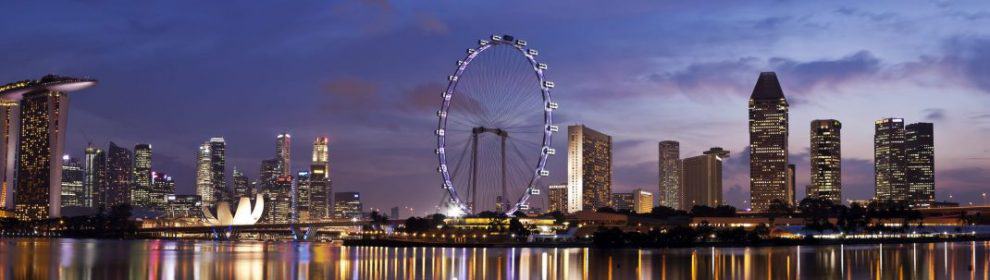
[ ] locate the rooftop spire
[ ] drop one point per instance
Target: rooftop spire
(767, 87)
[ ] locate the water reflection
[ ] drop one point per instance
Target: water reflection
(154, 259)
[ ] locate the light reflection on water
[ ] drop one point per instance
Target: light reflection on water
(161, 259)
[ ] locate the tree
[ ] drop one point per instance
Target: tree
(816, 212)
(516, 227)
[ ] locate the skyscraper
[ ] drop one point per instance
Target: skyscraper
(791, 183)
(347, 205)
(703, 178)
(889, 160)
(162, 186)
(41, 125)
(218, 163)
(919, 146)
(623, 201)
(643, 201)
(670, 174)
(204, 176)
(119, 175)
(768, 121)
(8, 146)
(826, 160)
(557, 198)
(283, 152)
(94, 184)
(73, 194)
(241, 184)
(142, 175)
(589, 166)
(301, 196)
(320, 184)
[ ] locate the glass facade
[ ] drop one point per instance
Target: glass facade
(826, 160)
(768, 133)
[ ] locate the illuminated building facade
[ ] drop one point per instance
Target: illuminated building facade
(120, 162)
(670, 174)
(241, 184)
(142, 176)
(320, 184)
(301, 197)
(8, 137)
(703, 178)
(919, 144)
(204, 177)
(589, 166)
(218, 163)
(183, 206)
(889, 160)
(768, 132)
(623, 201)
(283, 153)
(557, 198)
(643, 201)
(162, 186)
(347, 205)
(826, 160)
(95, 181)
(279, 199)
(73, 193)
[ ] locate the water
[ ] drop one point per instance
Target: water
(154, 259)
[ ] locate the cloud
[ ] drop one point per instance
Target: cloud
(830, 73)
(934, 114)
(423, 98)
(351, 91)
(969, 58)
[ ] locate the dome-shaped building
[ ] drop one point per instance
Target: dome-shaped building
(244, 214)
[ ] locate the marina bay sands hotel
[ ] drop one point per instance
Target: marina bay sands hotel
(33, 115)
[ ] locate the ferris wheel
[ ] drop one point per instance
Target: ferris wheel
(494, 129)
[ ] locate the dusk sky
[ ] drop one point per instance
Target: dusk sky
(368, 74)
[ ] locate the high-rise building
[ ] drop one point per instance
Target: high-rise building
(279, 196)
(394, 213)
(73, 194)
(162, 186)
(268, 173)
(120, 182)
(589, 166)
(204, 176)
(826, 160)
(623, 201)
(320, 184)
(768, 120)
(670, 174)
(183, 206)
(283, 152)
(142, 176)
(703, 178)
(41, 122)
(301, 198)
(557, 198)
(95, 182)
(919, 145)
(8, 146)
(347, 205)
(241, 184)
(791, 183)
(889, 160)
(218, 163)
(643, 201)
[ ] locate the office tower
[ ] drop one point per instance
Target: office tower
(826, 160)
(394, 213)
(73, 194)
(767, 142)
(557, 198)
(703, 178)
(623, 201)
(204, 178)
(269, 172)
(301, 197)
(791, 183)
(95, 182)
(320, 184)
(183, 206)
(670, 174)
(120, 160)
(41, 122)
(643, 201)
(283, 153)
(142, 176)
(8, 144)
(919, 145)
(241, 184)
(218, 160)
(162, 186)
(347, 205)
(279, 198)
(589, 166)
(889, 160)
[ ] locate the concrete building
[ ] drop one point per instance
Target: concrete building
(826, 160)
(889, 160)
(703, 178)
(670, 193)
(919, 145)
(768, 133)
(589, 166)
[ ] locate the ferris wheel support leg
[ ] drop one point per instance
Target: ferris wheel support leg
(503, 199)
(474, 173)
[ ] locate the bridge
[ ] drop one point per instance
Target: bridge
(323, 230)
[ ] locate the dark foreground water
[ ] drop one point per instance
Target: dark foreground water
(157, 259)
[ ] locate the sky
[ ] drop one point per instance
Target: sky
(367, 74)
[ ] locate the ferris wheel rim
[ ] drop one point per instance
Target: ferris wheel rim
(548, 127)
